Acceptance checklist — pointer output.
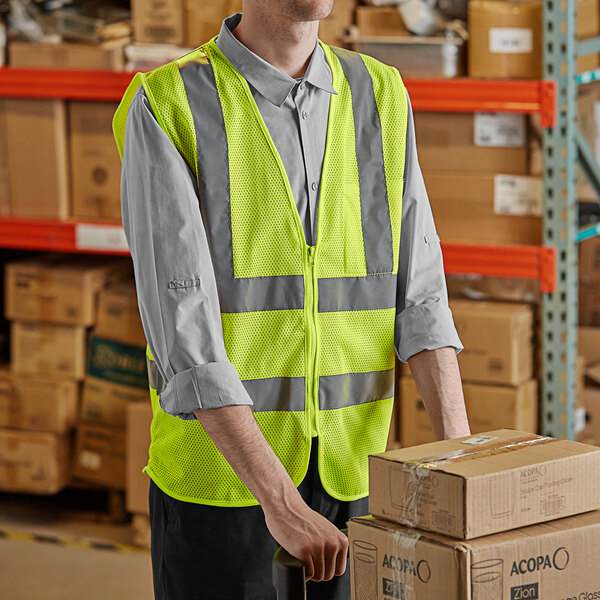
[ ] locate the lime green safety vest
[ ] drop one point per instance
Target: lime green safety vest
(309, 329)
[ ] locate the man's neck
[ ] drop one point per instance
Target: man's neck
(285, 43)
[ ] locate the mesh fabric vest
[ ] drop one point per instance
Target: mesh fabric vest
(309, 329)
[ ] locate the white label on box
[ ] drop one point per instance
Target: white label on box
(100, 237)
(90, 460)
(511, 40)
(504, 130)
(518, 195)
(479, 439)
(579, 419)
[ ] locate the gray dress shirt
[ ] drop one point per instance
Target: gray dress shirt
(167, 239)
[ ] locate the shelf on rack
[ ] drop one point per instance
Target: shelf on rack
(529, 262)
(460, 94)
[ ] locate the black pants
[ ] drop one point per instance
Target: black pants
(202, 552)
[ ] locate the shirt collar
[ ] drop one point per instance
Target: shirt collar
(273, 84)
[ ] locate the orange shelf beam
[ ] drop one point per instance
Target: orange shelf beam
(451, 95)
(526, 262)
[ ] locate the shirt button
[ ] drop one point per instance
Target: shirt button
(301, 86)
(314, 186)
(304, 114)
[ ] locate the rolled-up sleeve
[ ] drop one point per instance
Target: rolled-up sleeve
(175, 282)
(423, 318)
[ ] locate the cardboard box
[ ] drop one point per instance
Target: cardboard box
(95, 163)
(158, 22)
(202, 21)
(588, 117)
(589, 344)
(119, 363)
(332, 28)
(449, 141)
(589, 303)
(108, 56)
(60, 288)
(590, 433)
(107, 402)
(588, 19)
(4, 180)
(40, 403)
(589, 259)
(118, 315)
(99, 454)
(497, 340)
(379, 20)
(483, 484)
(48, 349)
(139, 419)
(33, 462)
(556, 560)
(505, 39)
(488, 407)
(480, 287)
(46, 194)
(467, 208)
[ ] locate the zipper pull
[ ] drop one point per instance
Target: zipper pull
(311, 254)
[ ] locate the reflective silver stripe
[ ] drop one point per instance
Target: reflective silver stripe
(339, 391)
(377, 226)
(357, 293)
(284, 292)
(276, 393)
(154, 377)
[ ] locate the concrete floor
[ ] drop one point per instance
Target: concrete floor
(31, 570)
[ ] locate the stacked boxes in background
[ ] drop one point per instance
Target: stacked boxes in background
(488, 517)
(51, 302)
(116, 377)
(496, 367)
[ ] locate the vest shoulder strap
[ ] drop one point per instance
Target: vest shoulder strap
(166, 93)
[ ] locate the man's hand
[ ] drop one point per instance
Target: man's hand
(310, 537)
(303, 532)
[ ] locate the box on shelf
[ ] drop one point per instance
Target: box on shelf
(497, 340)
(39, 403)
(590, 432)
(482, 142)
(483, 484)
(107, 56)
(48, 349)
(46, 194)
(60, 288)
(488, 407)
(95, 166)
(99, 454)
(4, 180)
(589, 344)
(139, 418)
(589, 303)
(551, 560)
(158, 22)
(480, 287)
(119, 316)
(486, 208)
(505, 39)
(203, 21)
(116, 376)
(32, 461)
(380, 20)
(589, 259)
(331, 29)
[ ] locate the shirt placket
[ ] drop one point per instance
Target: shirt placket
(303, 108)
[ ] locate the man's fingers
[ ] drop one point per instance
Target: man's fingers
(340, 563)
(319, 562)
(332, 552)
(309, 569)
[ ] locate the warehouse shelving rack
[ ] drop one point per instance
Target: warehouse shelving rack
(559, 287)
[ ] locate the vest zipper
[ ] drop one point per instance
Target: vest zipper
(311, 371)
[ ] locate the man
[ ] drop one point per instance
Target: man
(265, 178)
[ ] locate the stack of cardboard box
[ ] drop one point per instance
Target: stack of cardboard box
(502, 515)
(51, 302)
(496, 367)
(476, 172)
(116, 377)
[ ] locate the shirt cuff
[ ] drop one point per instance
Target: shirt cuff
(425, 326)
(206, 386)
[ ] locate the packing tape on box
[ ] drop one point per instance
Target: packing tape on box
(418, 471)
(406, 567)
(26, 536)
